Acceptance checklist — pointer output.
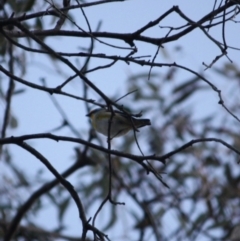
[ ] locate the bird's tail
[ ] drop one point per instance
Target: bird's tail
(141, 122)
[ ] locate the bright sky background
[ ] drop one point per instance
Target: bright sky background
(41, 115)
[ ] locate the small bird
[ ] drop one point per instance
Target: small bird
(120, 122)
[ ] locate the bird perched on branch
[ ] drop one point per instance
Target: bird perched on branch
(119, 122)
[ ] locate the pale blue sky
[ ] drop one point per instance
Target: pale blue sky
(36, 112)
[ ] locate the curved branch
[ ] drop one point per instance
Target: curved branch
(138, 159)
(60, 178)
